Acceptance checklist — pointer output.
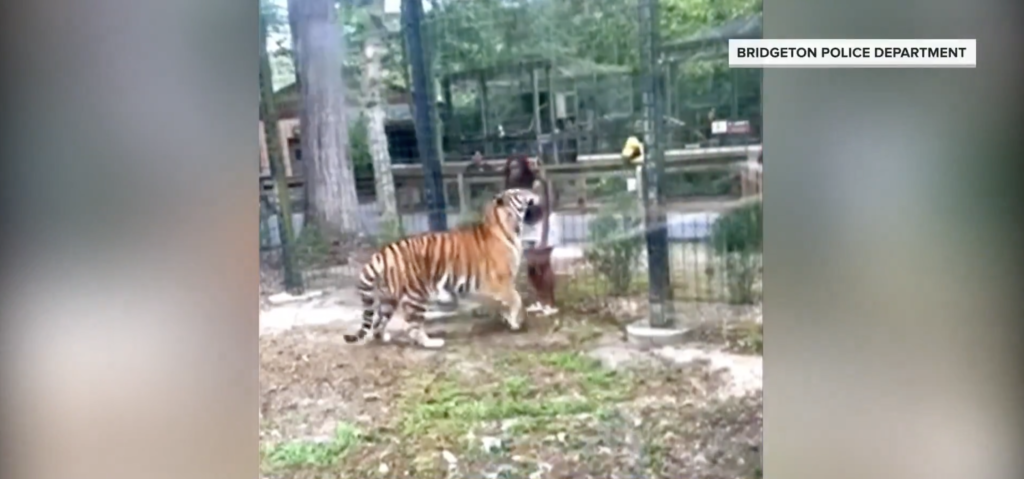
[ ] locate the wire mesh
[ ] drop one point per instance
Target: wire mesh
(571, 82)
(546, 79)
(528, 76)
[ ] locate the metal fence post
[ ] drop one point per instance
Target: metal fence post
(660, 293)
(412, 20)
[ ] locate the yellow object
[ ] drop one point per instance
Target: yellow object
(633, 151)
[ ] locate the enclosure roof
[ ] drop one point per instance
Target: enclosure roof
(288, 101)
(737, 28)
(583, 67)
(566, 68)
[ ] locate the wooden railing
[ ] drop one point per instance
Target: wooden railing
(568, 179)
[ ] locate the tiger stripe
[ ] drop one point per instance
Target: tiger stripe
(482, 258)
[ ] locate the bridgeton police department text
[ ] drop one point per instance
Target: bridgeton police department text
(851, 52)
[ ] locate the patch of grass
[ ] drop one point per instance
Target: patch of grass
(570, 361)
(297, 454)
(538, 391)
(454, 409)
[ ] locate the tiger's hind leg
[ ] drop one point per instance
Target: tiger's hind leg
(369, 320)
(385, 311)
(414, 315)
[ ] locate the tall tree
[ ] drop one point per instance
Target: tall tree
(331, 202)
(374, 103)
(268, 112)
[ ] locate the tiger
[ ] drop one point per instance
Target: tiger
(479, 259)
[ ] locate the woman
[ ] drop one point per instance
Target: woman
(522, 172)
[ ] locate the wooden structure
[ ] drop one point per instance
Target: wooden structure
(735, 158)
(288, 130)
(559, 120)
(398, 126)
(710, 43)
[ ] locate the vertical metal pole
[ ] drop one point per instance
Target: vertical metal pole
(670, 104)
(535, 85)
(268, 112)
(484, 114)
(412, 19)
(660, 292)
(554, 135)
(463, 196)
(450, 130)
(760, 110)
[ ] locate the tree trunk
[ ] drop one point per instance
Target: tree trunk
(292, 15)
(292, 279)
(375, 111)
(331, 202)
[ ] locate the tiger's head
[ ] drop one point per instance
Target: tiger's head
(515, 206)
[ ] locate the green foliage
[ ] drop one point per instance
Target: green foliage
(698, 183)
(739, 231)
(316, 454)
(467, 35)
(278, 43)
(356, 19)
(741, 271)
(616, 241)
(608, 187)
(359, 148)
(445, 407)
(486, 33)
(737, 237)
(595, 43)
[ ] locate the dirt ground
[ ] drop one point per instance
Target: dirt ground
(566, 398)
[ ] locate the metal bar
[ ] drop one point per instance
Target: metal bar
(551, 114)
(595, 160)
(463, 195)
(610, 163)
(412, 16)
(450, 128)
(286, 235)
(484, 114)
(683, 153)
(535, 85)
(735, 94)
(670, 88)
(660, 291)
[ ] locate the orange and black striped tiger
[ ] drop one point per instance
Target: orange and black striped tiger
(481, 259)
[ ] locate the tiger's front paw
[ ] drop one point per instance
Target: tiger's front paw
(515, 322)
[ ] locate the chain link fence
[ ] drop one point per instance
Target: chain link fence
(568, 82)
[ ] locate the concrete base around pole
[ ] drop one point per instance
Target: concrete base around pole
(641, 333)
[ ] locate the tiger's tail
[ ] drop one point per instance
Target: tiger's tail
(368, 282)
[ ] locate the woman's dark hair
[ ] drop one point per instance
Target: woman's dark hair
(523, 177)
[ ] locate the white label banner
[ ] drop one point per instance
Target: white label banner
(766, 53)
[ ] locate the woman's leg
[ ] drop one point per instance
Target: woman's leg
(542, 279)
